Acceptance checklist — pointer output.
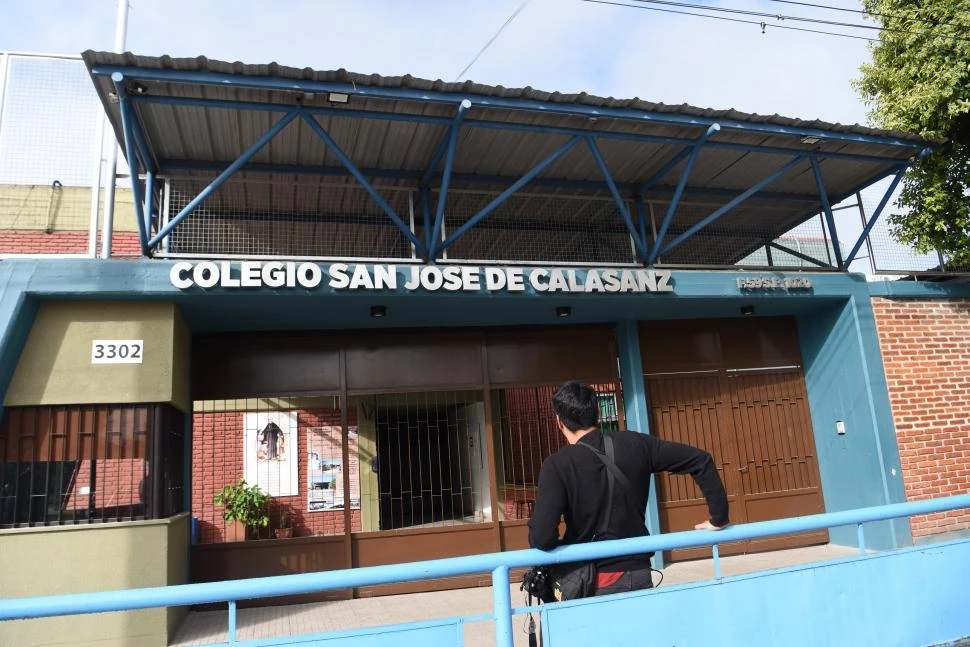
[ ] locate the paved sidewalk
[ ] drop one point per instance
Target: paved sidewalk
(265, 622)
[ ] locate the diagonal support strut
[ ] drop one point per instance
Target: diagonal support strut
(525, 179)
(222, 177)
(730, 205)
(378, 198)
(620, 204)
(672, 207)
(827, 209)
(434, 236)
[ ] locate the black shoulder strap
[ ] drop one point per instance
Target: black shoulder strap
(613, 474)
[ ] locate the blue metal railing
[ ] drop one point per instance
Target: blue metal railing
(499, 564)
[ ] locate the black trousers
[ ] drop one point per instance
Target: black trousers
(629, 581)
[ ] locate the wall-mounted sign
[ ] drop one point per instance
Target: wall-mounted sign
(774, 283)
(430, 278)
(117, 351)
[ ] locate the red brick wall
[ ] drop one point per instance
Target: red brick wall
(217, 461)
(117, 483)
(18, 241)
(926, 353)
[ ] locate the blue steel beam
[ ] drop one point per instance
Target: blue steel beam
(875, 214)
(378, 198)
(426, 213)
(445, 142)
(641, 218)
(222, 177)
(827, 209)
(149, 201)
(127, 127)
(640, 244)
(409, 94)
(525, 179)
(434, 247)
(666, 169)
(796, 254)
(730, 205)
(501, 125)
(672, 207)
(185, 165)
(882, 204)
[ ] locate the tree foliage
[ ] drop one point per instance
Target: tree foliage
(919, 81)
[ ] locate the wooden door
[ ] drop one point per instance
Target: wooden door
(736, 389)
(778, 467)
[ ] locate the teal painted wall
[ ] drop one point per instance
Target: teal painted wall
(841, 353)
(845, 381)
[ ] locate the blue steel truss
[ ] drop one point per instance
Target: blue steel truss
(142, 162)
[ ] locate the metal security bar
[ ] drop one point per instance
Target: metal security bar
(527, 433)
(86, 464)
(292, 448)
(448, 630)
(426, 460)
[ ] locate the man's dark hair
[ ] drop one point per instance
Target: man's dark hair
(576, 405)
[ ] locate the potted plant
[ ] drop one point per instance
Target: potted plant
(284, 531)
(245, 504)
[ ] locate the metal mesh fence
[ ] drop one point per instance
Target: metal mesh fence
(294, 217)
(888, 255)
(49, 114)
(531, 228)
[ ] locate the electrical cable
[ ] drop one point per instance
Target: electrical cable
(763, 25)
(492, 39)
(817, 21)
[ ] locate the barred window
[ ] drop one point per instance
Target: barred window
(87, 464)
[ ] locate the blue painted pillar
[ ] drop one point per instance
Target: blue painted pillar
(635, 407)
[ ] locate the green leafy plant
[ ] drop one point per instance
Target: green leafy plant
(244, 503)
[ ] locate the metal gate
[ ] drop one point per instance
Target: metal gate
(748, 409)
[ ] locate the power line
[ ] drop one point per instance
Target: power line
(492, 39)
(763, 25)
(818, 21)
(859, 11)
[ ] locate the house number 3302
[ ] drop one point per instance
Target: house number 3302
(117, 351)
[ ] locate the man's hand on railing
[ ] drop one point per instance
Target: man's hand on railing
(707, 525)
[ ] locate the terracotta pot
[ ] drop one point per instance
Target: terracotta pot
(235, 531)
(284, 533)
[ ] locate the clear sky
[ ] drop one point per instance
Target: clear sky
(565, 45)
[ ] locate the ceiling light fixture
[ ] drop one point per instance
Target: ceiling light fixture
(378, 311)
(811, 140)
(338, 97)
(747, 310)
(563, 311)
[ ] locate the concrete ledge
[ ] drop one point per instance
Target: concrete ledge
(94, 557)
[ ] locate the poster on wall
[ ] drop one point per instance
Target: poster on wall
(325, 469)
(270, 452)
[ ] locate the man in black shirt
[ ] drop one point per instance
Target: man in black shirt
(573, 485)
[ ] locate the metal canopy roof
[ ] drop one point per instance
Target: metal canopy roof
(195, 117)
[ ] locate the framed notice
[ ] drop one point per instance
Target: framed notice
(270, 455)
(325, 468)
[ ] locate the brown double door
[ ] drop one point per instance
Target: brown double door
(734, 387)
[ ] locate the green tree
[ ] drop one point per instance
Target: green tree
(919, 81)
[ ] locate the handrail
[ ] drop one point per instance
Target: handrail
(497, 563)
